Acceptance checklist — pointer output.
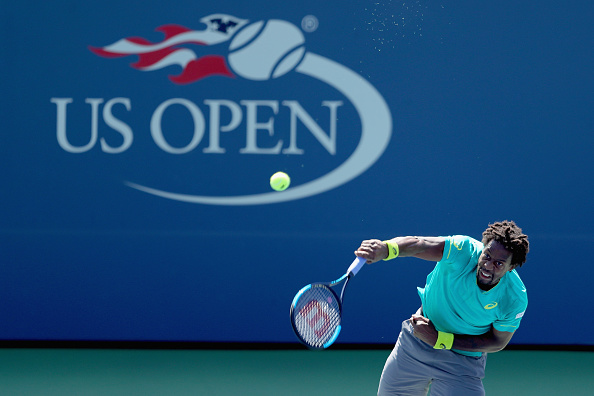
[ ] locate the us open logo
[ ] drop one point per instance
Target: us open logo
(260, 52)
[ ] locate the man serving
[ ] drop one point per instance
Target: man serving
(472, 303)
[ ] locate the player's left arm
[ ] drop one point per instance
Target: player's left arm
(491, 341)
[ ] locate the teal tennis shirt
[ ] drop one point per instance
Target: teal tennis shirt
(454, 302)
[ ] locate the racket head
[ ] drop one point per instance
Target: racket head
(316, 316)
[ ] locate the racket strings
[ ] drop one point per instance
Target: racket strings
(317, 316)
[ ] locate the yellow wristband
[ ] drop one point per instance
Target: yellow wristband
(393, 250)
(444, 340)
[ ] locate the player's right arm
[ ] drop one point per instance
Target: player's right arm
(426, 248)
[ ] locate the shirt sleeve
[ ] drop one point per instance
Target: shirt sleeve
(510, 321)
(458, 249)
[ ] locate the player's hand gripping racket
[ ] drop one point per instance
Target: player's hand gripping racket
(316, 310)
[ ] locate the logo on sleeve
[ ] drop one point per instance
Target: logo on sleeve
(518, 316)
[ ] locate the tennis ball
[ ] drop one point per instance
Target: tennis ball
(280, 181)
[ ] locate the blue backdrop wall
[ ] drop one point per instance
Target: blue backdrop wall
(138, 139)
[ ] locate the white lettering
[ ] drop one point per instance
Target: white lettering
(157, 132)
(255, 111)
(253, 126)
(215, 123)
(297, 112)
(61, 104)
(118, 126)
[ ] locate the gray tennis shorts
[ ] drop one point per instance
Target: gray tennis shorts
(415, 368)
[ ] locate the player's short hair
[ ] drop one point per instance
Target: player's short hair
(511, 237)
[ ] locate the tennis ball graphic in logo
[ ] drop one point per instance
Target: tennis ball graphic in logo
(265, 50)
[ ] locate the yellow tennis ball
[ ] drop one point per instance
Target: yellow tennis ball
(280, 181)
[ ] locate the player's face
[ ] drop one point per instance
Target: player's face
(494, 262)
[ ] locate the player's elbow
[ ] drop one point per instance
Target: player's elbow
(498, 345)
(499, 340)
(496, 348)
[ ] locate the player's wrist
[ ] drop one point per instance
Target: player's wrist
(393, 250)
(444, 340)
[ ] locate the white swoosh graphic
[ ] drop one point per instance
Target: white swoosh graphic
(376, 125)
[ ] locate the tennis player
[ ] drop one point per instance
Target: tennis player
(472, 303)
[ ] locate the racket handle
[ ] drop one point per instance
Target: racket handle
(356, 266)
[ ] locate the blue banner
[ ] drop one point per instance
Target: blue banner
(138, 143)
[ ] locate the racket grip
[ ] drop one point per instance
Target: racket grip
(356, 266)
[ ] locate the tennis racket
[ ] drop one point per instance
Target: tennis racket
(316, 310)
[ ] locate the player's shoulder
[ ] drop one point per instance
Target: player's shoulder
(515, 285)
(456, 245)
(516, 295)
